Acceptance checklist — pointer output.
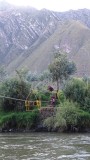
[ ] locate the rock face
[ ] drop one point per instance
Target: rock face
(29, 37)
(20, 28)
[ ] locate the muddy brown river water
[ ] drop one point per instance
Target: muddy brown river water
(44, 146)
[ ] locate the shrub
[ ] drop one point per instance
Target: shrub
(69, 115)
(61, 96)
(13, 88)
(75, 90)
(49, 123)
(83, 119)
(78, 91)
(68, 111)
(65, 119)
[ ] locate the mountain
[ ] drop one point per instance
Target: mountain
(29, 38)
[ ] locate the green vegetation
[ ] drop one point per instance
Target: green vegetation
(2, 73)
(68, 118)
(19, 120)
(14, 88)
(72, 103)
(78, 91)
(61, 68)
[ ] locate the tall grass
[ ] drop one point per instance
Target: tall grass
(19, 120)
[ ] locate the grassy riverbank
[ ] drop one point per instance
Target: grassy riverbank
(18, 121)
(66, 118)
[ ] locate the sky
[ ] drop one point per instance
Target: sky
(56, 5)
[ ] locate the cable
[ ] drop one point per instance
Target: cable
(17, 99)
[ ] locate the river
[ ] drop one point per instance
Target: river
(44, 146)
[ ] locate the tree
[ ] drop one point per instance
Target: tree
(13, 88)
(75, 90)
(61, 68)
(45, 75)
(2, 73)
(22, 74)
(32, 77)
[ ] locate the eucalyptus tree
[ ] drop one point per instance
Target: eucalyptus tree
(61, 68)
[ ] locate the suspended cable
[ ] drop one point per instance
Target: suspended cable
(23, 100)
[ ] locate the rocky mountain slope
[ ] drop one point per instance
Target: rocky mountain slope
(29, 38)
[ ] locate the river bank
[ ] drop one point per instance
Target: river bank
(24, 122)
(43, 129)
(66, 118)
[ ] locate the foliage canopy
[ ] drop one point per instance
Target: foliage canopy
(16, 89)
(61, 68)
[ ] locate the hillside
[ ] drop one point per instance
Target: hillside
(29, 38)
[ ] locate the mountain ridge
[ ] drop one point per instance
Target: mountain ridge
(29, 38)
